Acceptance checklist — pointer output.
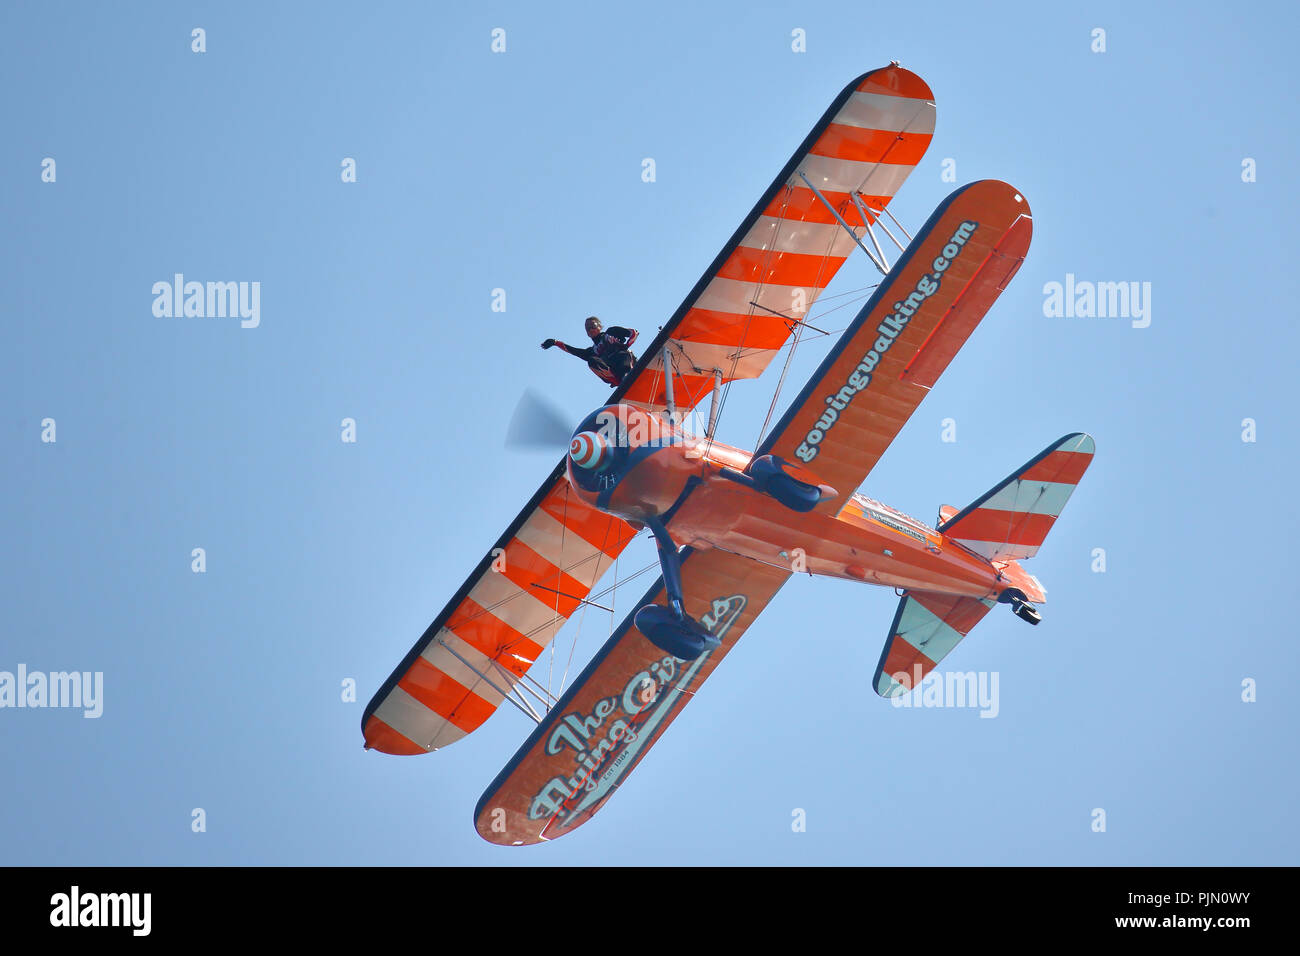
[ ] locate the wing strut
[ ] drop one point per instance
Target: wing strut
(863, 209)
(540, 693)
(880, 262)
(511, 695)
(668, 385)
(713, 403)
(896, 223)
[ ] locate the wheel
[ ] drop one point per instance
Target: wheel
(681, 637)
(1027, 612)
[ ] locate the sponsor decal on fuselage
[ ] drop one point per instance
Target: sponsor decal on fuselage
(898, 526)
(887, 331)
(606, 742)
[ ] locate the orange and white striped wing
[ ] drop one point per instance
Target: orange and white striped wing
(498, 623)
(790, 246)
(1010, 521)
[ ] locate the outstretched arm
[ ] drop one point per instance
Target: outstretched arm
(585, 354)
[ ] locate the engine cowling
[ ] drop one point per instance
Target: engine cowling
(627, 461)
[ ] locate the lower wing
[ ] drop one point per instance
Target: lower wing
(619, 706)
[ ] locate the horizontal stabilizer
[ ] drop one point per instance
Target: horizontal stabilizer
(925, 630)
(1010, 521)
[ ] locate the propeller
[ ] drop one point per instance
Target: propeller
(538, 425)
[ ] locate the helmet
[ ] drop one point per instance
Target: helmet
(593, 326)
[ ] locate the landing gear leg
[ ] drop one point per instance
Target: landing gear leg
(669, 628)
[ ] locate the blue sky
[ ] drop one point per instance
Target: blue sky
(522, 170)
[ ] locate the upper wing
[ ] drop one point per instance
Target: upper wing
(630, 692)
(790, 246)
(903, 339)
(782, 256)
(497, 624)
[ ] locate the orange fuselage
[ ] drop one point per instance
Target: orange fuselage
(682, 477)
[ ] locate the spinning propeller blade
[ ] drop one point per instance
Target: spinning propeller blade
(538, 424)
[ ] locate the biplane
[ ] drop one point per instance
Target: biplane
(732, 526)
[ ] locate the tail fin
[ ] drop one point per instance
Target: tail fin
(1011, 521)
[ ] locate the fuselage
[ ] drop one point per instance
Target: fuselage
(628, 462)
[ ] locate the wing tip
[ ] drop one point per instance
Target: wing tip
(1085, 443)
(888, 688)
(379, 736)
(893, 80)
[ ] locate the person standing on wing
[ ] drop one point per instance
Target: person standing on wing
(609, 356)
